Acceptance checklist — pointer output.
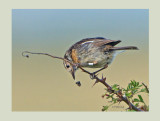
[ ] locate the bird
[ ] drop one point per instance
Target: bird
(96, 52)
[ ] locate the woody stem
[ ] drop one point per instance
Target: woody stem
(109, 89)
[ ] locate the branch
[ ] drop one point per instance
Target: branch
(146, 87)
(26, 55)
(109, 89)
(94, 76)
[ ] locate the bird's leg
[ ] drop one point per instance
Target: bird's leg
(101, 69)
(93, 74)
(85, 70)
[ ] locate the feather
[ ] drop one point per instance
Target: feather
(124, 48)
(103, 43)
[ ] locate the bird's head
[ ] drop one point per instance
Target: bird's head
(70, 68)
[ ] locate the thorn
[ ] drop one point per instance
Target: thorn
(103, 79)
(95, 83)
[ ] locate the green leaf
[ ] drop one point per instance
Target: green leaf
(129, 86)
(128, 94)
(136, 100)
(124, 89)
(115, 85)
(114, 100)
(137, 104)
(105, 108)
(133, 83)
(137, 83)
(115, 89)
(143, 90)
(141, 99)
(134, 91)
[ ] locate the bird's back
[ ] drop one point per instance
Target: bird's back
(90, 50)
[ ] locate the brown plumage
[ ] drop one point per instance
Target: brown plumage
(74, 56)
(93, 53)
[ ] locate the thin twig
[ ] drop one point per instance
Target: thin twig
(26, 55)
(146, 87)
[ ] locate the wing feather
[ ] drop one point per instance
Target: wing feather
(98, 41)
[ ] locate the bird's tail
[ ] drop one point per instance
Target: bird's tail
(124, 48)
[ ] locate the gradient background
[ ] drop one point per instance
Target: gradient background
(42, 84)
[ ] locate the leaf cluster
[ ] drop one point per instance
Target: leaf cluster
(130, 92)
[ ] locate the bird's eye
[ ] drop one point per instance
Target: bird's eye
(67, 66)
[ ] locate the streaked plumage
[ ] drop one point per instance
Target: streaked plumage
(93, 53)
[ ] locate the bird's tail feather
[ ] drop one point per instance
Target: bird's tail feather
(124, 48)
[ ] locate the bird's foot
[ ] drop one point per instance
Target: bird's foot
(93, 75)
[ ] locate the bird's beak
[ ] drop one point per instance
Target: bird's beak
(73, 75)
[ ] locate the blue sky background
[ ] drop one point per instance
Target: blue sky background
(43, 28)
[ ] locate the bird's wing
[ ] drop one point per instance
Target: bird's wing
(98, 41)
(105, 42)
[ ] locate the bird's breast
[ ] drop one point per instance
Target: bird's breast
(94, 59)
(91, 56)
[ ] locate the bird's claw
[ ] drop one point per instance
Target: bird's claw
(92, 75)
